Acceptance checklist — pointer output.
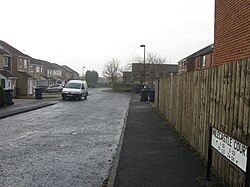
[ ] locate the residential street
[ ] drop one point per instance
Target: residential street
(71, 143)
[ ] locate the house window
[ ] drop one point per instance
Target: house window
(41, 69)
(5, 62)
(2, 83)
(38, 69)
(204, 61)
(21, 63)
(31, 69)
(25, 64)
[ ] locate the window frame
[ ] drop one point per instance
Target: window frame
(25, 63)
(5, 62)
(204, 61)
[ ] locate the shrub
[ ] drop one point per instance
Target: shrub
(2, 97)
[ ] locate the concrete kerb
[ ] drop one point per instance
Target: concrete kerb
(113, 170)
(27, 109)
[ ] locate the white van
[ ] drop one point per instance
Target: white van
(75, 89)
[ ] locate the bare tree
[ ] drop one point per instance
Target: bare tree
(152, 72)
(155, 71)
(112, 70)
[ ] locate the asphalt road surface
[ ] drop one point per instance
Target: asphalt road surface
(71, 143)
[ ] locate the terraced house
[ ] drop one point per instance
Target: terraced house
(7, 79)
(69, 74)
(22, 73)
(40, 70)
(19, 67)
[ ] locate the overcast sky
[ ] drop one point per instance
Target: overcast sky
(89, 33)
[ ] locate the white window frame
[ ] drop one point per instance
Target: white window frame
(25, 63)
(38, 69)
(204, 61)
(5, 62)
(31, 69)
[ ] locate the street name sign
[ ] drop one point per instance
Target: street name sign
(230, 148)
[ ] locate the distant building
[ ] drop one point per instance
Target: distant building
(152, 72)
(127, 77)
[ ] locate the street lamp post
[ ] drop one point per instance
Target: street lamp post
(83, 72)
(144, 71)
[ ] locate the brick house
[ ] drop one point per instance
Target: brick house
(204, 58)
(7, 79)
(67, 74)
(231, 31)
(39, 70)
(20, 68)
(57, 74)
(198, 60)
(47, 73)
(70, 74)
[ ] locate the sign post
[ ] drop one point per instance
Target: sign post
(247, 180)
(209, 157)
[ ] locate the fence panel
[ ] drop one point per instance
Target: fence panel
(217, 97)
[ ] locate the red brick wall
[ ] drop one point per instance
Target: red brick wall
(232, 30)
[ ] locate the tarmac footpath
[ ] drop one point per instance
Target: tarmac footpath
(152, 154)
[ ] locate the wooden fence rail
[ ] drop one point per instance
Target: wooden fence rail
(217, 97)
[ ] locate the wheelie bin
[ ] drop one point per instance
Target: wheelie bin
(38, 93)
(144, 95)
(152, 96)
(9, 96)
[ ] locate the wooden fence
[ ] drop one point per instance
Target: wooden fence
(217, 97)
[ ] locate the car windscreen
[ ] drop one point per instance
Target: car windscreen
(73, 85)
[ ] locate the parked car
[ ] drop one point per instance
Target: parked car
(75, 89)
(55, 88)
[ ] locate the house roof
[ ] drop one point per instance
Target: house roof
(48, 78)
(5, 46)
(6, 74)
(42, 63)
(25, 74)
(56, 66)
(65, 69)
(206, 50)
(70, 69)
(2, 51)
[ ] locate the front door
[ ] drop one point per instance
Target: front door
(30, 87)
